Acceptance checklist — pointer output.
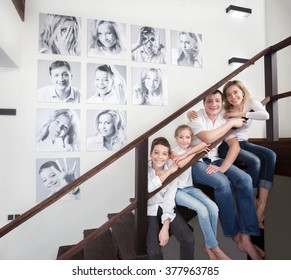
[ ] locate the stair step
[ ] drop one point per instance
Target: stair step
(123, 232)
(65, 248)
(103, 247)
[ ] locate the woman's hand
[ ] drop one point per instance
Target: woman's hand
(231, 114)
(63, 40)
(191, 115)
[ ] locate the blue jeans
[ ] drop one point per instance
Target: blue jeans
(178, 227)
(235, 217)
(207, 211)
(260, 162)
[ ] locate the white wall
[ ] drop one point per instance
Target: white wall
(64, 222)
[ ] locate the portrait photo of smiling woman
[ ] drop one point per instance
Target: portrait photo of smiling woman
(149, 86)
(106, 130)
(106, 39)
(57, 130)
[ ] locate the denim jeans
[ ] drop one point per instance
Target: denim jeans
(260, 162)
(178, 227)
(235, 217)
(207, 211)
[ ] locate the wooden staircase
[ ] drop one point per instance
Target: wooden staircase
(115, 244)
(118, 242)
(105, 240)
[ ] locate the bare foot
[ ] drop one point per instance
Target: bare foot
(244, 244)
(209, 252)
(220, 254)
(260, 251)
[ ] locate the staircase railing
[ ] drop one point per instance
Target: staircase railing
(140, 145)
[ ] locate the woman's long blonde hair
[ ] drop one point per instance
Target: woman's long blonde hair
(241, 86)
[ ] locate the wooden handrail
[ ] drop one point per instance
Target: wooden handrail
(83, 178)
(280, 96)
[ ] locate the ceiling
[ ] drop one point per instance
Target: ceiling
(20, 7)
(6, 63)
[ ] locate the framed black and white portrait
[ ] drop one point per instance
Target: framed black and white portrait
(186, 49)
(148, 44)
(58, 81)
(52, 174)
(59, 34)
(106, 84)
(57, 130)
(106, 39)
(149, 86)
(106, 130)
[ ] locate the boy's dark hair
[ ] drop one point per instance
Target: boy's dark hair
(160, 141)
(49, 164)
(105, 68)
(216, 91)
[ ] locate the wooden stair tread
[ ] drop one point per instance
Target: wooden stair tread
(65, 248)
(123, 232)
(102, 248)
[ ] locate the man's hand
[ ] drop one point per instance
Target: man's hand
(164, 233)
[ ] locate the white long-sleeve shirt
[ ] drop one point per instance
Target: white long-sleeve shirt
(165, 198)
(259, 113)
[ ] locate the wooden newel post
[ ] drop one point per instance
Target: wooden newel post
(141, 195)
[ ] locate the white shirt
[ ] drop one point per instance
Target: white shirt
(113, 97)
(96, 142)
(48, 94)
(185, 179)
(259, 113)
(165, 198)
(57, 146)
(203, 123)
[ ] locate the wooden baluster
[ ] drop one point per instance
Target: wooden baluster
(271, 89)
(141, 195)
